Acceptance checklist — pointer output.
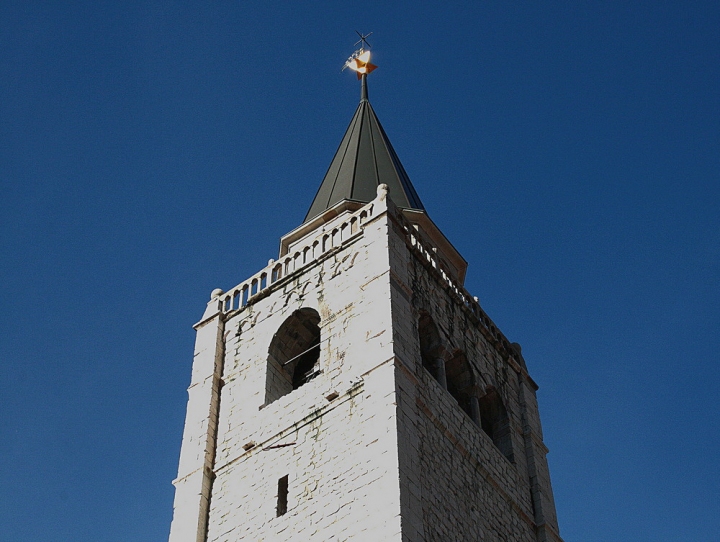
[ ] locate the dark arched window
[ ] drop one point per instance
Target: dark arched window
(495, 422)
(431, 348)
(293, 354)
(460, 382)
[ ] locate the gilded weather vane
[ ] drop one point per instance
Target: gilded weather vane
(359, 61)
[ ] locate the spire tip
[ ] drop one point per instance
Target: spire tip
(360, 63)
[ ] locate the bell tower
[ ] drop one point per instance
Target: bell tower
(353, 389)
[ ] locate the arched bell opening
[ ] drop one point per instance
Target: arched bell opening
(461, 383)
(495, 422)
(293, 354)
(431, 349)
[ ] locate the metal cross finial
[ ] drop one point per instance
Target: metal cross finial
(363, 39)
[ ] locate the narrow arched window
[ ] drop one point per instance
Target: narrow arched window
(461, 383)
(431, 348)
(293, 354)
(495, 422)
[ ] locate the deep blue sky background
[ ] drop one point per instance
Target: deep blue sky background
(153, 151)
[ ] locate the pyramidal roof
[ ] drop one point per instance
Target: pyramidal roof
(364, 160)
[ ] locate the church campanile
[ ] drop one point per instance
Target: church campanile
(353, 389)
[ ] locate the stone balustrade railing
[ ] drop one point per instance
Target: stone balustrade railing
(324, 241)
(429, 255)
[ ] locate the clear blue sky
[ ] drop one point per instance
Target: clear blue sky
(153, 151)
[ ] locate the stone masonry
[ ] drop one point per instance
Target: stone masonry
(369, 443)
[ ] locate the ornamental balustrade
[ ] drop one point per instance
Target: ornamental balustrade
(429, 256)
(302, 256)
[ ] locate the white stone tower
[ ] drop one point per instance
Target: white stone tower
(354, 390)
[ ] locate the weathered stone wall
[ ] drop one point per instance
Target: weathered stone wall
(373, 447)
(455, 482)
(343, 484)
(334, 437)
(194, 480)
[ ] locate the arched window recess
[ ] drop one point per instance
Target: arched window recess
(432, 351)
(294, 353)
(461, 384)
(494, 421)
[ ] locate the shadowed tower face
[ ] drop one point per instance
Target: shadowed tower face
(353, 389)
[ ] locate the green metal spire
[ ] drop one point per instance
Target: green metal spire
(364, 160)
